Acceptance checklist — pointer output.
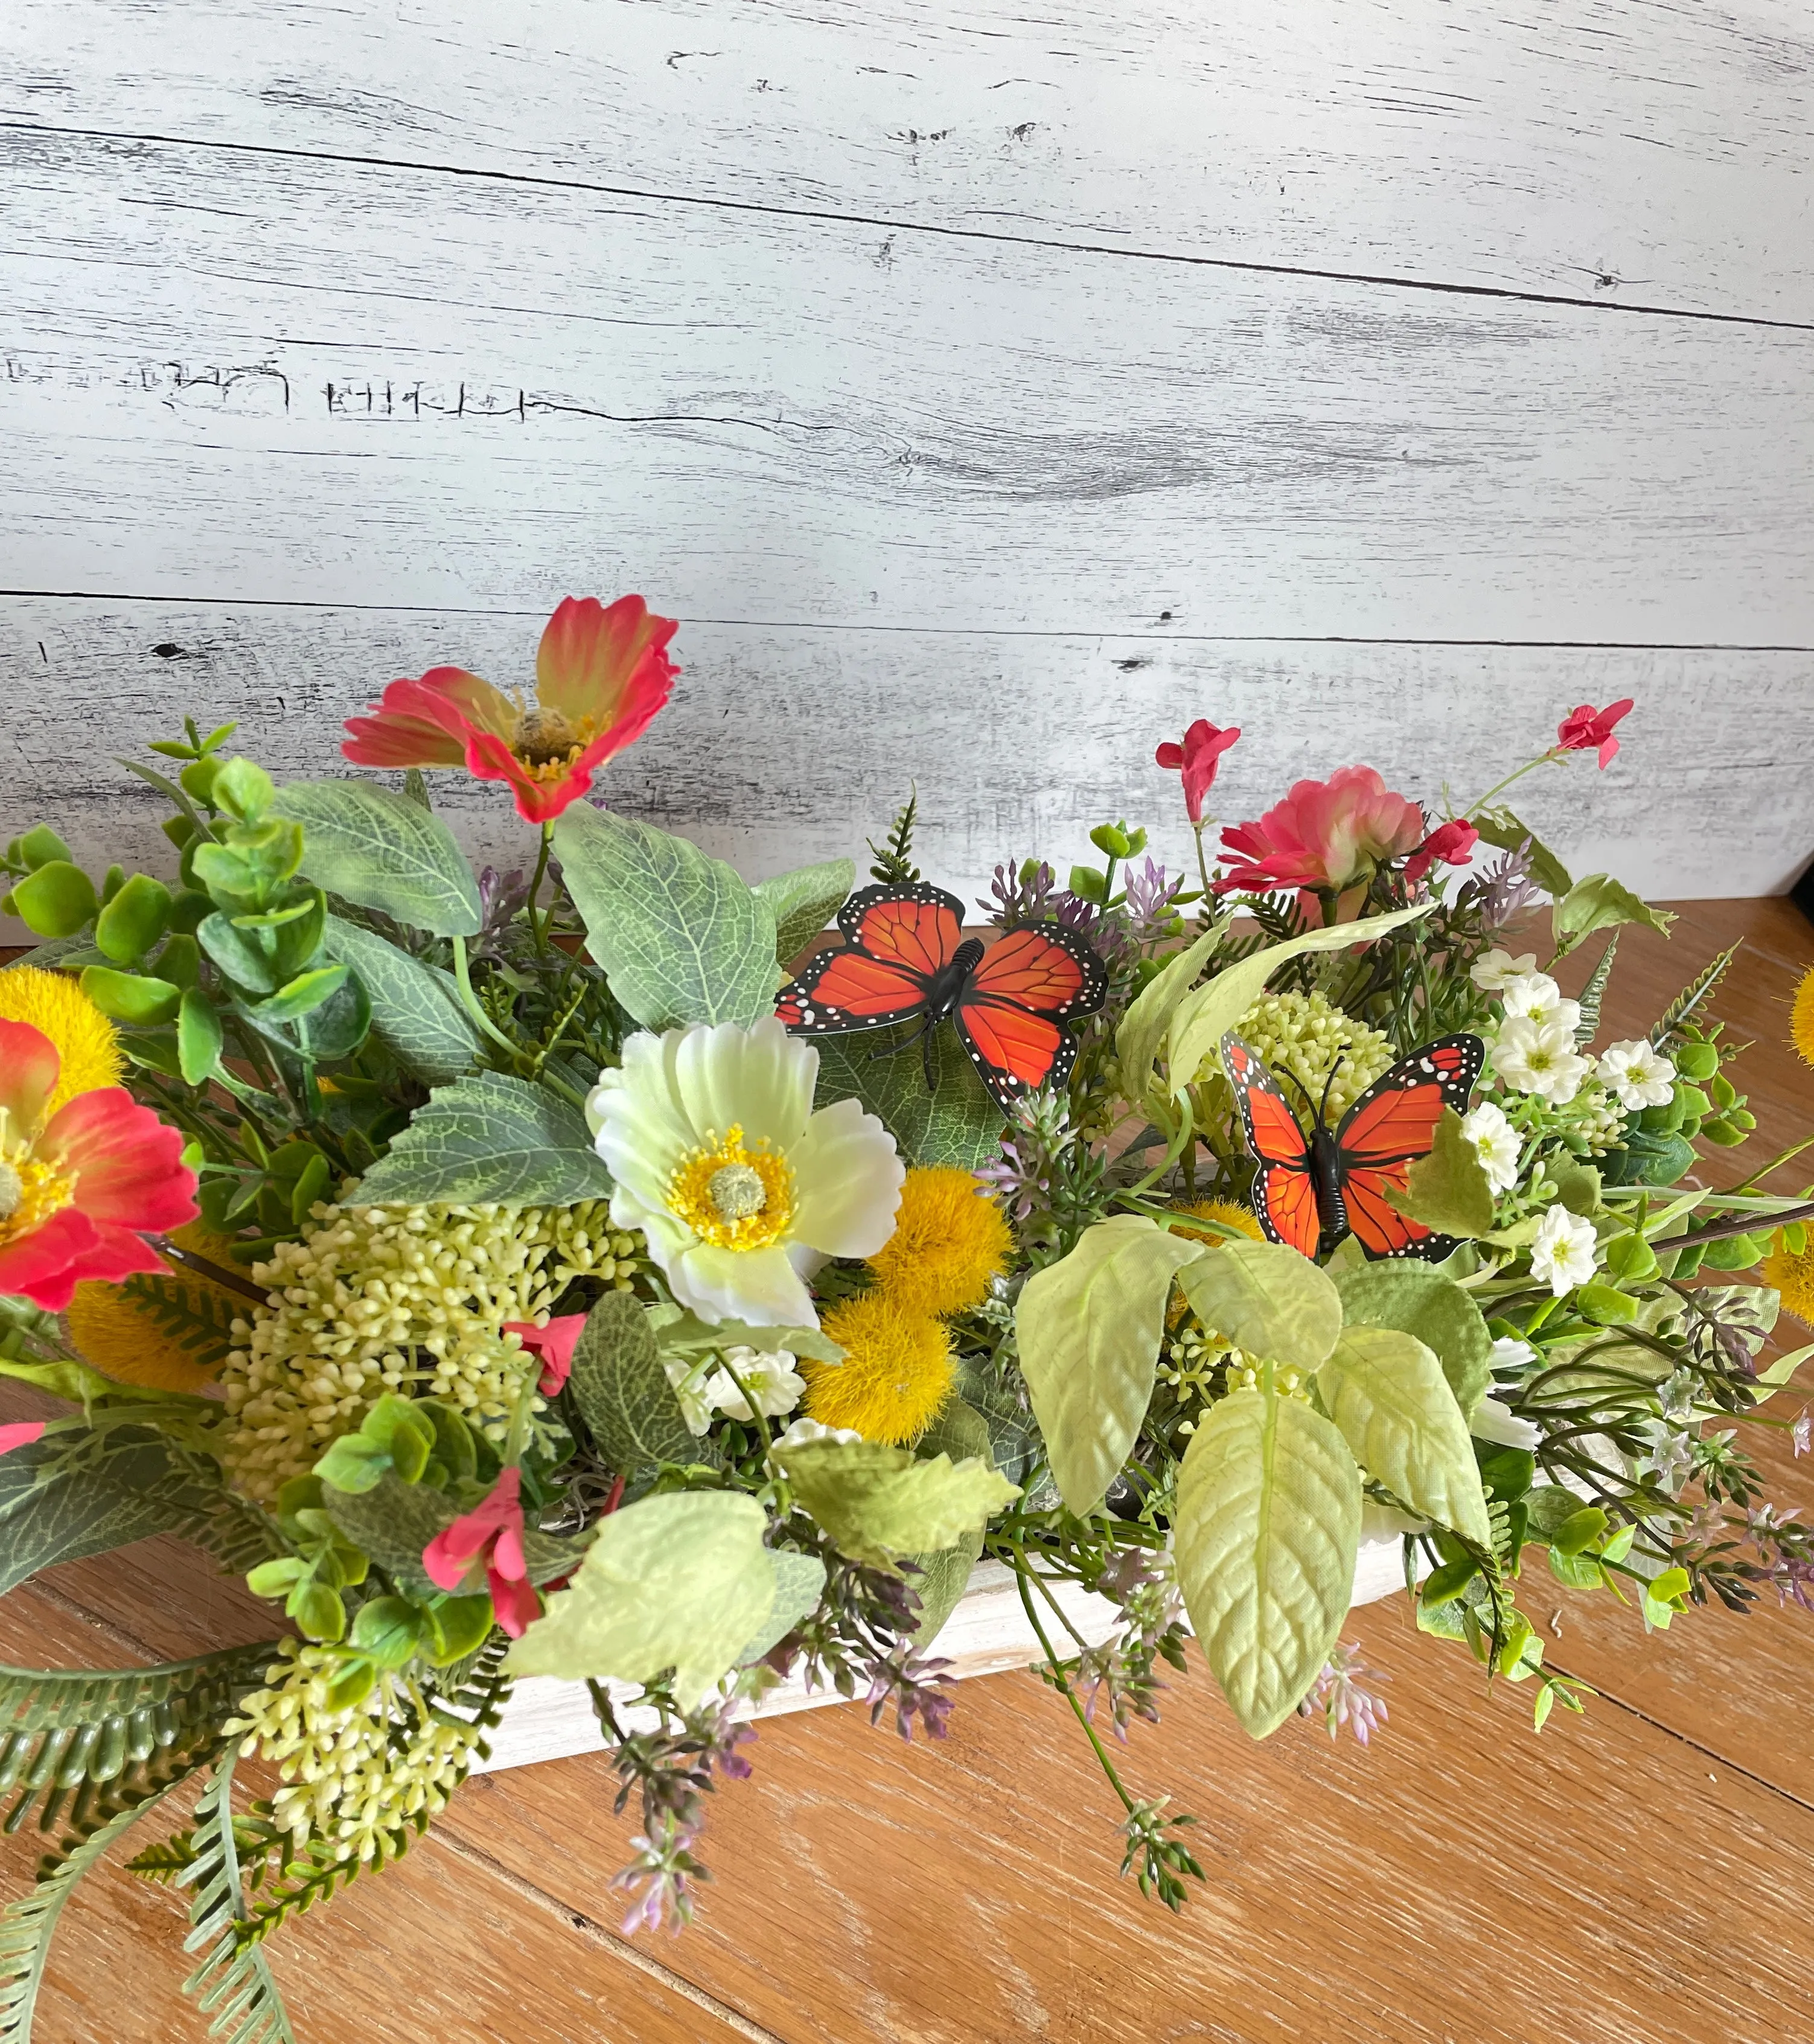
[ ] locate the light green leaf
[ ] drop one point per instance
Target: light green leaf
(799, 1583)
(681, 1580)
(415, 1008)
(378, 850)
(623, 1393)
(879, 1504)
(198, 1037)
(961, 1432)
(1448, 1189)
(1772, 1379)
(1088, 1330)
(392, 1523)
(682, 937)
(1503, 831)
(1597, 903)
(803, 903)
(486, 1139)
(1268, 1521)
(1267, 1299)
(1386, 1393)
(1419, 1300)
(682, 1333)
(1143, 1028)
(1206, 1015)
(956, 1122)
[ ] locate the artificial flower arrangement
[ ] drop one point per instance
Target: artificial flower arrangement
(559, 1276)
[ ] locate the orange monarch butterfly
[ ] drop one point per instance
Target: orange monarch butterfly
(1309, 1192)
(905, 955)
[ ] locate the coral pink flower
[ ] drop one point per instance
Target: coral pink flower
(491, 1533)
(1198, 756)
(1325, 835)
(600, 675)
(1588, 729)
(21, 1433)
(1452, 842)
(77, 1189)
(555, 1344)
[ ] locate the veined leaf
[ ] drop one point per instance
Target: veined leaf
(378, 850)
(1501, 829)
(956, 1122)
(679, 1332)
(1448, 1188)
(682, 937)
(1267, 1299)
(1206, 1016)
(489, 1139)
(961, 1432)
(415, 1008)
(623, 1393)
(393, 1522)
(1268, 1514)
(681, 1580)
(804, 901)
(879, 1504)
(799, 1583)
(1386, 1393)
(1599, 902)
(1088, 1331)
(1143, 1028)
(1419, 1300)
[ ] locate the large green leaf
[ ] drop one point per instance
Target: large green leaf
(1268, 1521)
(961, 1432)
(804, 901)
(622, 1391)
(1448, 1189)
(1419, 1300)
(415, 1008)
(487, 1138)
(1601, 902)
(378, 850)
(392, 1523)
(1387, 1393)
(682, 937)
(1088, 1330)
(1208, 1013)
(1143, 1028)
(681, 1580)
(879, 1504)
(955, 1121)
(799, 1583)
(1267, 1299)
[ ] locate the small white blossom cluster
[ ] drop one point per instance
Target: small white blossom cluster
(704, 1389)
(404, 1299)
(348, 1777)
(1536, 1051)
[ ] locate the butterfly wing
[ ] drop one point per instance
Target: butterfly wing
(1391, 1125)
(896, 940)
(1285, 1190)
(1019, 991)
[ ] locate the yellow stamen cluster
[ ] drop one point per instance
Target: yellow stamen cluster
(54, 1003)
(1302, 1034)
(896, 1375)
(548, 742)
(355, 1777)
(1230, 1213)
(30, 1192)
(1791, 1273)
(118, 1328)
(951, 1241)
(1802, 1017)
(732, 1196)
(404, 1299)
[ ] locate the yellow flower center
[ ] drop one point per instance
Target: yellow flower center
(30, 1192)
(732, 1195)
(548, 742)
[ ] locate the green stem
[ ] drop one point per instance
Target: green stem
(1173, 1150)
(1071, 1695)
(756, 1412)
(1757, 1176)
(1542, 759)
(538, 926)
(463, 979)
(1202, 868)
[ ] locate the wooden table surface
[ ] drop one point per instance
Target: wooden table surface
(1641, 1877)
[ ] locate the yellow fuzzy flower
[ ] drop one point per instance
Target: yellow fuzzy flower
(55, 1004)
(950, 1240)
(175, 1342)
(1792, 1275)
(896, 1375)
(1802, 1017)
(1230, 1213)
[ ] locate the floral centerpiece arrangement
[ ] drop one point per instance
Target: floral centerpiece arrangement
(604, 1274)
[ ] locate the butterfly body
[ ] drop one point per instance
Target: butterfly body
(905, 958)
(1310, 1191)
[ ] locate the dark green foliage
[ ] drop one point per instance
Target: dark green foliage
(893, 865)
(195, 1317)
(1690, 1004)
(232, 1982)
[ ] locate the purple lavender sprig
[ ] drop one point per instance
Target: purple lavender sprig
(1021, 892)
(1340, 1694)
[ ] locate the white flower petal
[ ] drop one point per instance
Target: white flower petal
(1491, 972)
(760, 1079)
(1497, 1422)
(758, 1286)
(848, 1176)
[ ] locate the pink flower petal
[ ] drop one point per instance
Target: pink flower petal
(21, 1433)
(30, 1066)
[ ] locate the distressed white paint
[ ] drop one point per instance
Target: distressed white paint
(782, 746)
(294, 381)
(988, 1634)
(1627, 151)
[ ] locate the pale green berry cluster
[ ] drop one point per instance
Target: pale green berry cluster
(1303, 1035)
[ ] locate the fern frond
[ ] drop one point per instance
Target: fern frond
(1688, 1005)
(232, 1983)
(68, 1733)
(1594, 992)
(894, 866)
(28, 1925)
(198, 1319)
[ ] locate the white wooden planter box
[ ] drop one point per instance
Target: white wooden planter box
(987, 1634)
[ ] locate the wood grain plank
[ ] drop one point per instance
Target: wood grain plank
(784, 746)
(303, 380)
(1650, 153)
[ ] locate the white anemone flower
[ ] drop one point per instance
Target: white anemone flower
(1490, 972)
(1566, 1251)
(740, 1188)
(1637, 1075)
(1540, 1058)
(1534, 997)
(771, 1381)
(1496, 1143)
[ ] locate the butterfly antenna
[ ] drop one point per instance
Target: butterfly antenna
(1323, 1104)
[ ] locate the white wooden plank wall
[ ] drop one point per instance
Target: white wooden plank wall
(988, 395)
